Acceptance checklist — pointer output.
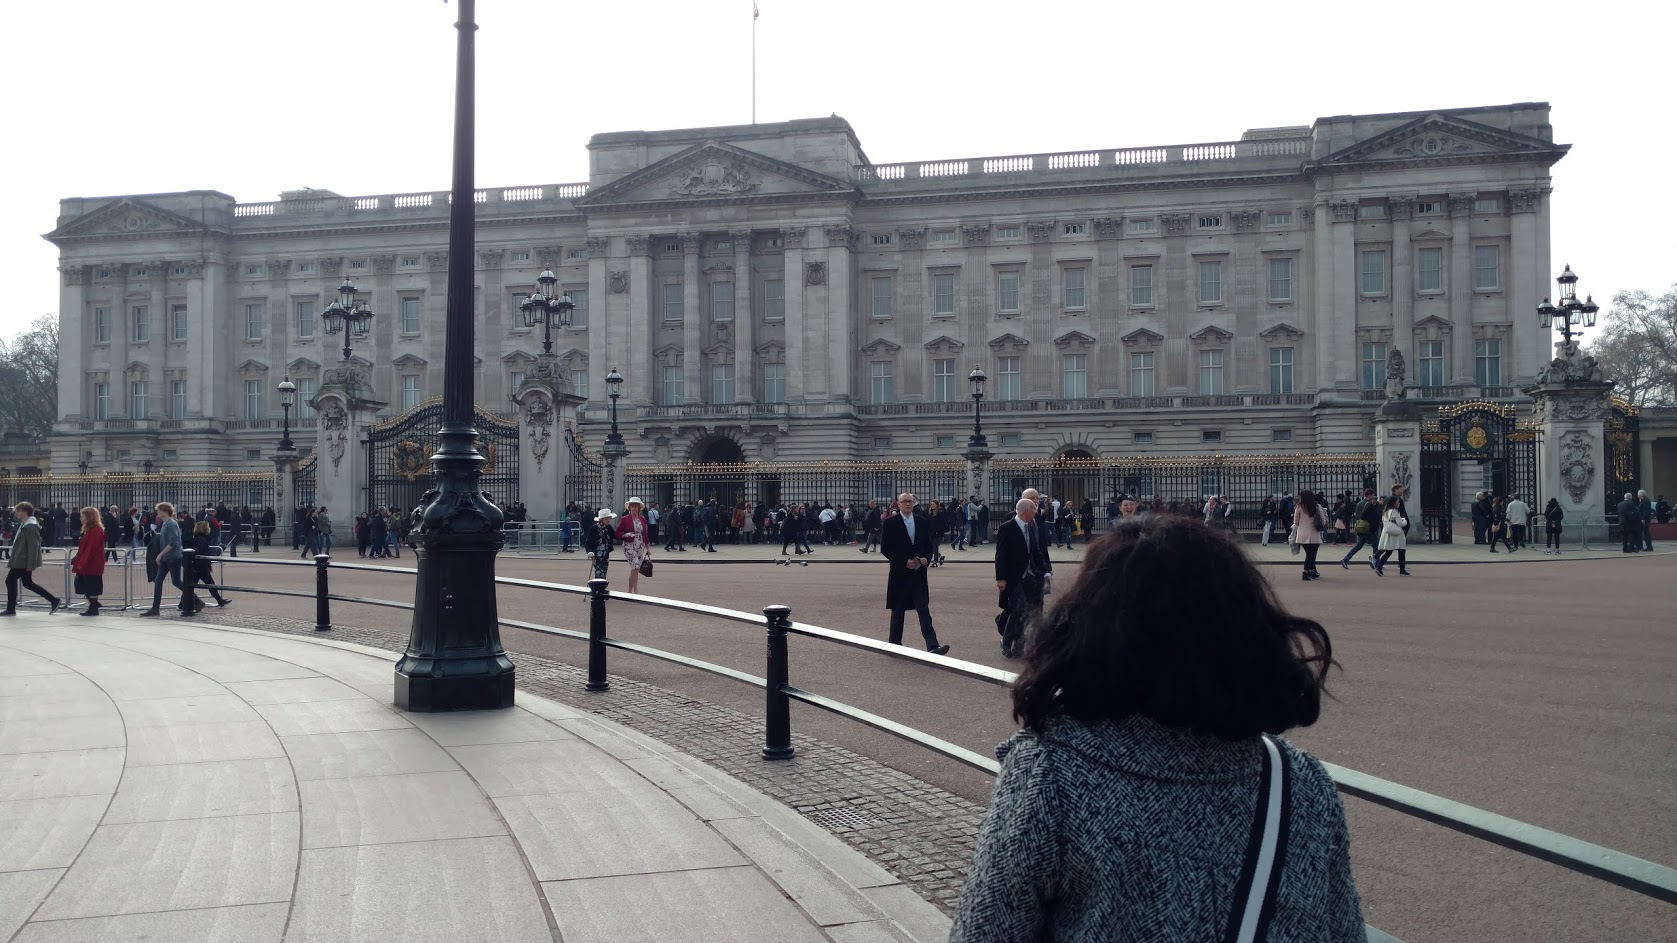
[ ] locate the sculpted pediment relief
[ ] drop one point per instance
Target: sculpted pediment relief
(1428, 235)
(1142, 337)
(303, 365)
(944, 344)
(714, 171)
(1074, 340)
(517, 358)
(1210, 334)
(408, 361)
(881, 345)
(1282, 331)
(1009, 341)
(1441, 136)
(126, 216)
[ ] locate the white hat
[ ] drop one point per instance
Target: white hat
(633, 501)
(604, 515)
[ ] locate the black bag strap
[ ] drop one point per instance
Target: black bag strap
(1266, 851)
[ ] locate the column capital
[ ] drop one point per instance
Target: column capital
(911, 238)
(1400, 207)
(637, 245)
(792, 237)
(690, 242)
(742, 239)
(1522, 201)
(1461, 204)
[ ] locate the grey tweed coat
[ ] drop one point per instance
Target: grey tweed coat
(1132, 831)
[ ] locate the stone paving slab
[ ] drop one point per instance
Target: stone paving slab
(193, 783)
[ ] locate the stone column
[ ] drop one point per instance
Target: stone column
(1524, 281)
(616, 476)
(639, 326)
(1320, 321)
(692, 324)
(1397, 450)
(75, 336)
(546, 406)
(834, 334)
(793, 241)
(1572, 404)
(122, 329)
(345, 406)
(1342, 304)
(285, 486)
(978, 472)
(1402, 209)
(1461, 289)
(599, 317)
(745, 321)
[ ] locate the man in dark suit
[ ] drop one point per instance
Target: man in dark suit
(906, 543)
(1022, 566)
(1630, 524)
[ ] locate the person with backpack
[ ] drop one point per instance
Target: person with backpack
(1365, 524)
(1552, 518)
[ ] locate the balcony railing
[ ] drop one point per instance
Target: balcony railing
(1168, 155)
(402, 203)
(1090, 403)
(712, 410)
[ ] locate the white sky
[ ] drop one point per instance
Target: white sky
(114, 96)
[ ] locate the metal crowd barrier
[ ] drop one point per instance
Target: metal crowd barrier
(1641, 876)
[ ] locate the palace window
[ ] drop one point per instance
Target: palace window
(1487, 362)
(1486, 276)
(1487, 204)
(1429, 270)
(722, 383)
(774, 300)
(141, 316)
(1374, 272)
(774, 383)
(1280, 279)
(880, 382)
(411, 312)
(410, 392)
(943, 294)
(1141, 286)
(1281, 370)
(1141, 373)
(879, 291)
(1371, 210)
(253, 399)
(1211, 283)
(1007, 293)
(139, 399)
(579, 309)
(1211, 373)
(1374, 366)
(1429, 363)
(1007, 378)
(722, 301)
(253, 322)
(177, 399)
(1210, 221)
(1142, 438)
(943, 381)
(1429, 207)
(305, 398)
(579, 383)
(1075, 229)
(101, 400)
(1071, 287)
(1007, 232)
(944, 235)
(177, 322)
(1281, 435)
(1074, 376)
(1141, 225)
(1279, 219)
(521, 256)
(672, 303)
(101, 325)
(672, 386)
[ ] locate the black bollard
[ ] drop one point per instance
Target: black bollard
(598, 592)
(777, 728)
(322, 605)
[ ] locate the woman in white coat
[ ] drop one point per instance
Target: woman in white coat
(1392, 538)
(1308, 522)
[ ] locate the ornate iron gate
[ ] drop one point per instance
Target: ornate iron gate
(1483, 433)
(304, 484)
(1623, 448)
(585, 485)
(400, 450)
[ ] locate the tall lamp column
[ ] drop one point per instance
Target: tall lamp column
(287, 392)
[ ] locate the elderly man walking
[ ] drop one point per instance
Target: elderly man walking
(1630, 524)
(1022, 568)
(905, 541)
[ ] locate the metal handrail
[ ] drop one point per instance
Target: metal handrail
(1644, 877)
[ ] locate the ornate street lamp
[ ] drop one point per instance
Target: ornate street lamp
(977, 378)
(346, 315)
(287, 392)
(147, 466)
(454, 660)
(544, 306)
(1570, 312)
(614, 383)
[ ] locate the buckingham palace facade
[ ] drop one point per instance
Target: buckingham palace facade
(770, 293)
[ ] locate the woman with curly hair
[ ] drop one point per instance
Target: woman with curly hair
(1147, 795)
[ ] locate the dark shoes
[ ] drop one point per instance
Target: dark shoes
(92, 610)
(150, 614)
(223, 603)
(940, 650)
(57, 604)
(8, 612)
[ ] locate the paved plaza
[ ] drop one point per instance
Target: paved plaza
(166, 781)
(1530, 686)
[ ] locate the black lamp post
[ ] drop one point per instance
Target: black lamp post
(287, 392)
(454, 660)
(977, 378)
(544, 306)
(352, 318)
(146, 465)
(1570, 312)
(82, 465)
(614, 383)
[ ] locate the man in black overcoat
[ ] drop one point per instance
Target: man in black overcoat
(1022, 566)
(905, 541)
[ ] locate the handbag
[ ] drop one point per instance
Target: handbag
(1293, 538)
(646, 567)
(1266, 852)
(1360, 527)
(1393, 528)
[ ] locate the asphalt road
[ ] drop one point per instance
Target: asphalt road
(1544, 692)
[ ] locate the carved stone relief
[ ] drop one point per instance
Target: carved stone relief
(1431, 145)
(490, 258)
(538, 425)
(1577, 464)
(1401, 473)
(715, 177)
(815, 273)
(977, 235)
(334, 419)
(618, 281)
(636, 245)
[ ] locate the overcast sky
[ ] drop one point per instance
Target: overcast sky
(115, 96)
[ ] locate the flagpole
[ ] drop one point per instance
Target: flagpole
(754, 63)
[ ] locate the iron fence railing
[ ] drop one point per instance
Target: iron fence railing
(1641, 876)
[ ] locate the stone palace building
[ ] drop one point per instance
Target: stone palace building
(770, 293)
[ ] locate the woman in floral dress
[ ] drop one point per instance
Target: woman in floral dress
(632, 532)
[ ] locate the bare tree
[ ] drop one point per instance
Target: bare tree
(29, 378)
(1638, 346)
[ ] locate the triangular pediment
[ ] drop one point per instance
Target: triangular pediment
(1071, 339)
(1210, 334)
(573, 354)
(517, 358)
(1444, 137)
(1430, 321)
(303, 365)
(772, 347)
(1009, 340)
(714, 171)
(943, 342)
(125, 217)
(881, 345)
(1282, 331)
(1428, 235)
(408, 361)
(1142, 337)
(669, 350)
(252, 366)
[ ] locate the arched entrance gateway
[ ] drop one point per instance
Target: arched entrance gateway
(1076, 475)
(717, 473)
(1470, 447)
